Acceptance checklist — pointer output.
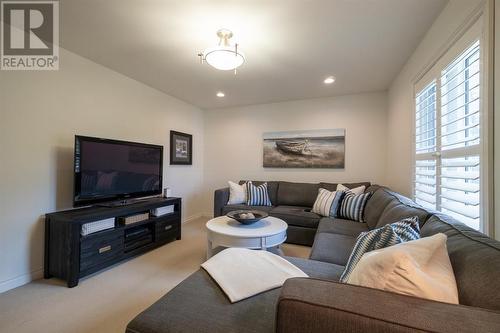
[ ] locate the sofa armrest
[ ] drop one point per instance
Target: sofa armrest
(312, 305)
(221, 197)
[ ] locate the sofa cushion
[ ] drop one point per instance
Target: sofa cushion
(419, 268)
(333, 186)
(300, 235)
(328, 203)
(354, 190)
(257, 195)
(296, 215)
(408, 229)
(229, 208)
(475, 259)
(318, 269)
(341, 226)
(332, 248)
(197, 304)
(272, 189)
(237, 193)
(399, 208)
(368, 241)
(297, 194)
(353, 206)
(375, 207)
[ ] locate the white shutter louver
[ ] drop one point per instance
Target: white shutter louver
(460, 194)
(460, 93)
(425, 135)
(425, 183)
(425, 143)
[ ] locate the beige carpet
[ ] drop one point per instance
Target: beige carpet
(107, 301)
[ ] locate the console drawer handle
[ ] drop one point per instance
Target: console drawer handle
(104, 249)
(168, 227)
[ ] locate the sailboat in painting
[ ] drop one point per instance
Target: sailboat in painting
(293, 147)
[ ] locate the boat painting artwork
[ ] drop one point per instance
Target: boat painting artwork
(305, 149)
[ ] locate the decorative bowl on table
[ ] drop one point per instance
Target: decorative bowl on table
(247, 216)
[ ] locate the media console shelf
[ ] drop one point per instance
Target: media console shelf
(71, 256)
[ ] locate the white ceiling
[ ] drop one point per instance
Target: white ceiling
(290, 45)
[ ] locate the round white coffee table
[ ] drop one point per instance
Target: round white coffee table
(227, 232)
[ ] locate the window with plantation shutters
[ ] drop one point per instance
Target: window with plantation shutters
(448, 144)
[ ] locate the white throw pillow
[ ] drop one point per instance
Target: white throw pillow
(237, 193)
(420, 268)
(357, 190)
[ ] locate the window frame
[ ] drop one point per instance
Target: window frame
(468, 34)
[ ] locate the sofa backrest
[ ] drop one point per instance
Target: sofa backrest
(297, 194)
(475, 259)
(385, 206)
(375, 206)
(372, 188)
(272, 189)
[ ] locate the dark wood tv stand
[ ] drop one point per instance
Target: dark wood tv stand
(71, 256)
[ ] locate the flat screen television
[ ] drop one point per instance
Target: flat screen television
(111, 170)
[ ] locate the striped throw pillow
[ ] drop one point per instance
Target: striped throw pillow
(408, 229)
(353, 206)
(257, 195)
(369, 241)
(402, 231)
(327, 203)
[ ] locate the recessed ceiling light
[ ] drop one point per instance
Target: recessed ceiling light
(329, 80)
(220, 94)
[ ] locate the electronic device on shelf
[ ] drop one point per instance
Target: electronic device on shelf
(113, 171)
(96, 226)
(131, 219)
(161, 211)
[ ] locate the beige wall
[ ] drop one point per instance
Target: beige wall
(40, 114)
(400, 97)
(233, 139)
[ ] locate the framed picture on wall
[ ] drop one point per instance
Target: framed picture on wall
(181, 148)
(305, 149)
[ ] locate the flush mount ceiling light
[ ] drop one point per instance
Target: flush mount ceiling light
(224, 56)
(329, 80)
(220, 94)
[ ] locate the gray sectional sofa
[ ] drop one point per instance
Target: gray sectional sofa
(292, 203)
(320, 303)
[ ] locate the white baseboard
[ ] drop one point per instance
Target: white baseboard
(20, 280)
(196, 216)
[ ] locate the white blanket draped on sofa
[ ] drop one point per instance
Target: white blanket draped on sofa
(242, 273)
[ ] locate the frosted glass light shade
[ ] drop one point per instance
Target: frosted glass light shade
(224, 58)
